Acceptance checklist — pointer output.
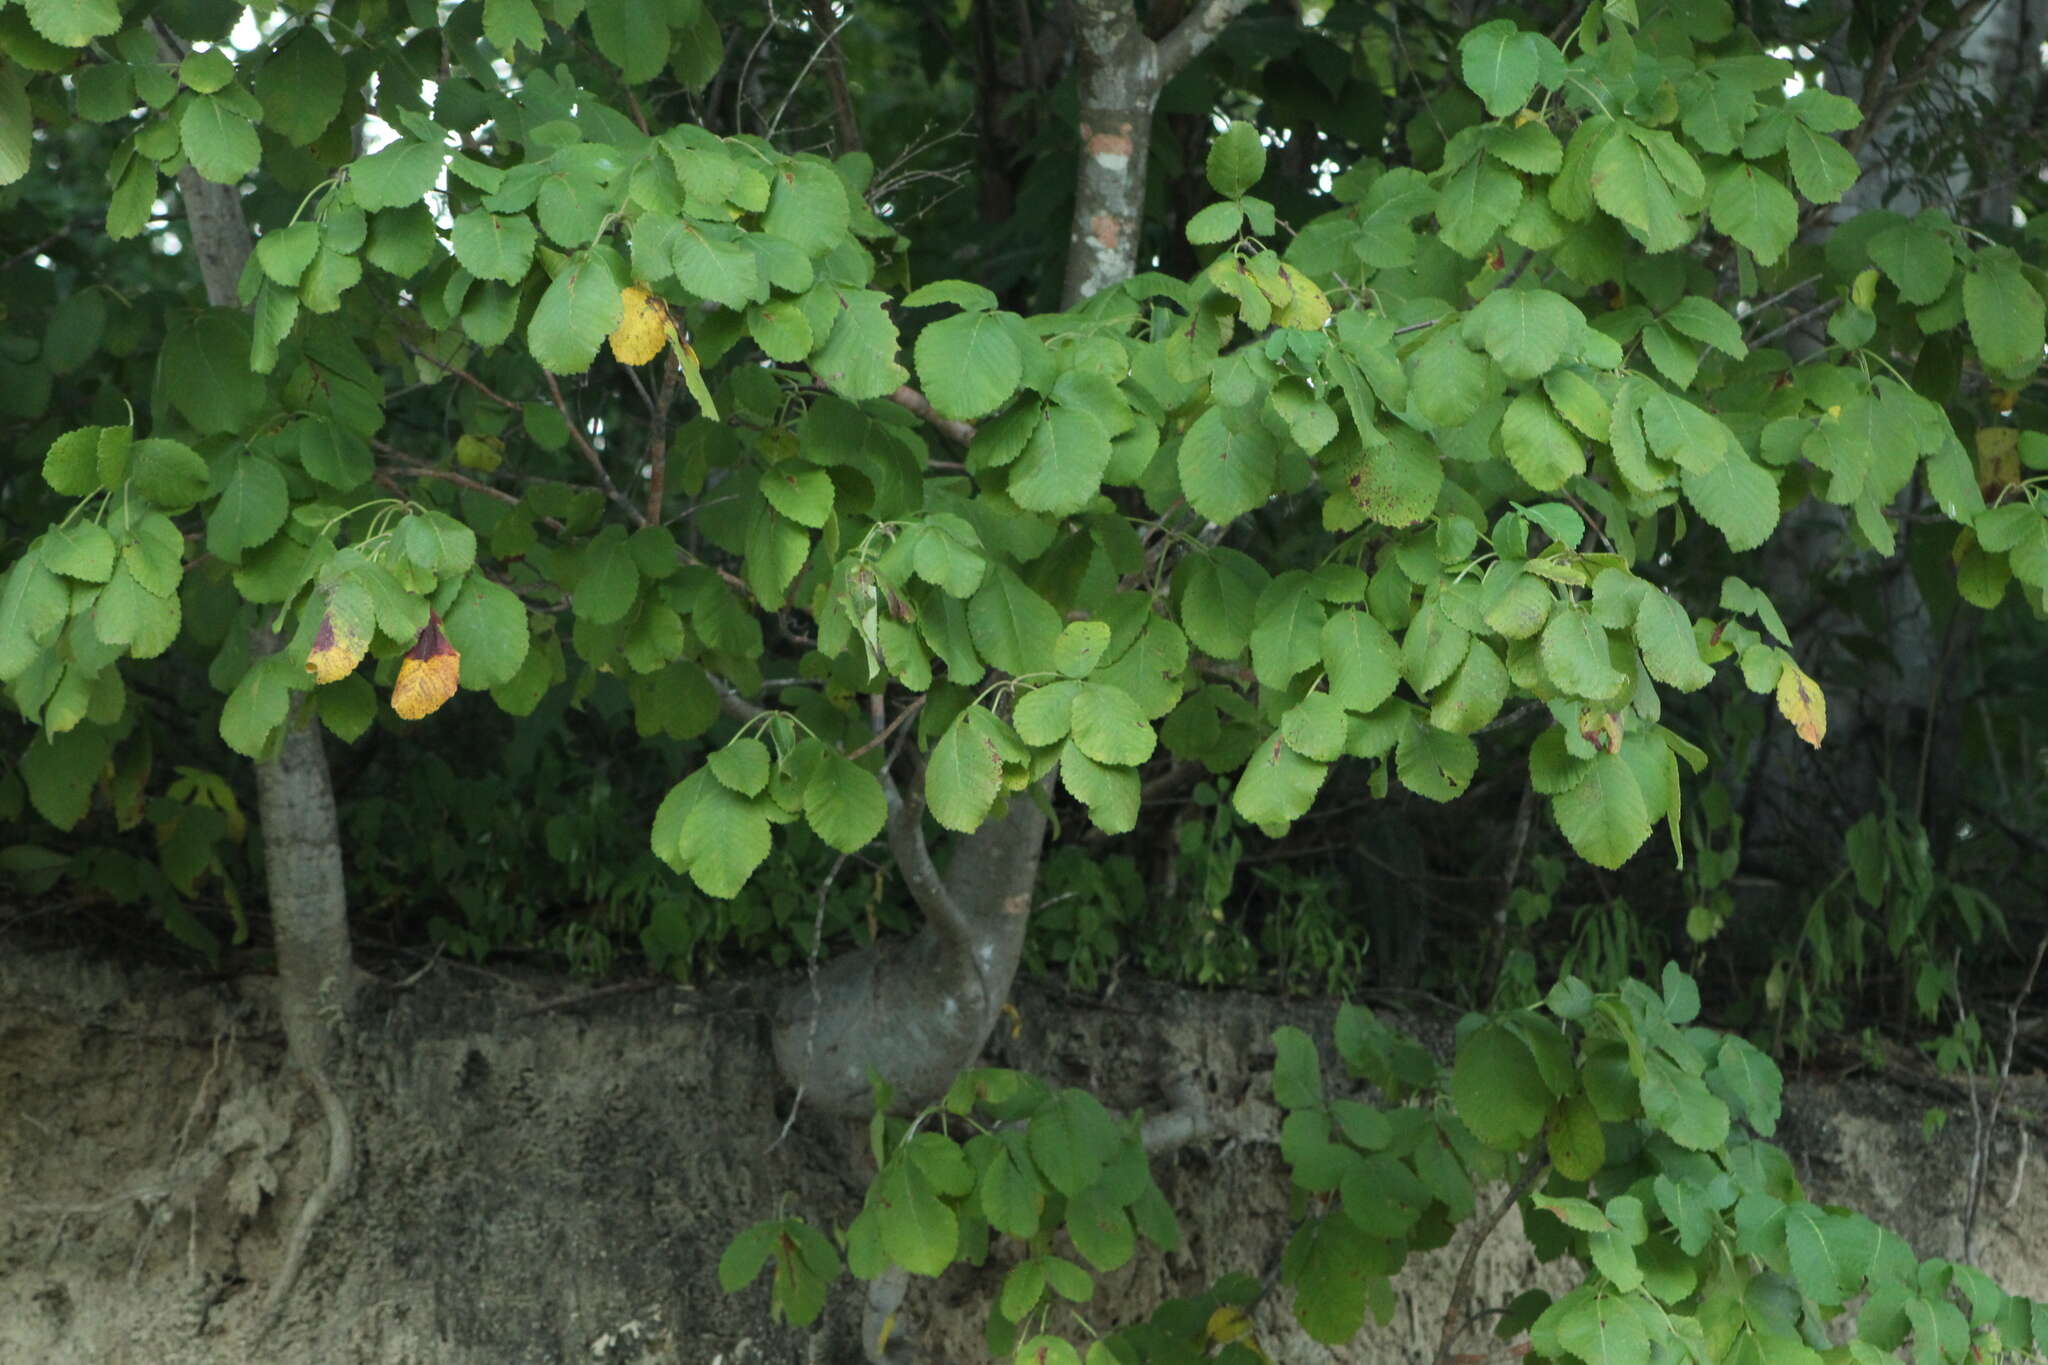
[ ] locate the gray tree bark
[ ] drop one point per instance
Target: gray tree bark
(303, 876)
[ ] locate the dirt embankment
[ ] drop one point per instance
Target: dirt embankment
(556, 1184)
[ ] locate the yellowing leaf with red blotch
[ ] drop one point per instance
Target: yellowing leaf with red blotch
(1998, 459)
(427, 677)
(344, 634)
(1799, 697)
(643, 327)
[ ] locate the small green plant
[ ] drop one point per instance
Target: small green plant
(1635, 1141)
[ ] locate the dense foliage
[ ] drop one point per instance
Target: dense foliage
(1501, 418)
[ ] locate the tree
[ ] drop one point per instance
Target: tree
(1470, 425)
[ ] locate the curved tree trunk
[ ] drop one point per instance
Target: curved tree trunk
(915, 1014)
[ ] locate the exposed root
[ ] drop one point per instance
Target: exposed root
(341, 1164)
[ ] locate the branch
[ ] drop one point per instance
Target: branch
(914, 860)
(657, 440)
(835, 76)
(589, 452)
(1461, 1287)
(1192, 35)
(959, 433)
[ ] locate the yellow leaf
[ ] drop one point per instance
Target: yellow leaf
(1227, 1324)
(427, 677)
(643, 327)
(1308, 310)
(338, 646)
(1800, 699)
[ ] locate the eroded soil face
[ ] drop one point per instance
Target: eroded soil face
(556, 1184)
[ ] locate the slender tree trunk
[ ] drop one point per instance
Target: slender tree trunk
(294, 803)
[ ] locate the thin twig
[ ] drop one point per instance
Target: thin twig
(589, 452)
(882, 735)
(1461, 1287)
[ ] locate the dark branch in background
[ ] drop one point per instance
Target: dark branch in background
(835, 75)
(1882, 93)
(589, 452)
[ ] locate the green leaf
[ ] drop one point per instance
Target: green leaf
(1821, 167)
(1225, 473)
(1448, 380)
(1399, 482)
(1360, 659)
(632, 36)
(1917, 258)
(510, 23)
(1217, 223)
(17, 125)
(1237, 159)
(1109, 727)
(1604, 815)
(81, 550)
(1708, 323)
(1527, 331)
(250, 508)
(1219, 597)
(1751, 207)
(1278, 785)
(1500, 65)
(1287, 629)
(715, 267)
(62, 771)
(969, 365)
(1110, 793)
(575, 315)
(1664, 634)
(1497, 1089)
(807, 205)
(1629, 184)
(493, 246)
(1543, 450)
(1080, 647)
(1297, 1073)
(400, 174)
(1477, 201)
(1102, 1232)
(858, 359)
(1736, 498)
(1061, 468)
(73, 23)
(919, 1230)
(285, 253)
(71, 467)
(1474, 694)
(1072, 1138)
(1575, 655)
(1433, 763)
(487, 624)
(34, 605)
(301, 86)
(1014, 628)
(1750, 1082)
(1010, 1197)
(746, 1254)
(609, 579)
(257, 708)
(2004, 310)
(203, 367)
(799, 491)
(1316, 727)
(722, 839)
(1680, 1104)
(843, 803)
(742, 766)
(965, 771)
